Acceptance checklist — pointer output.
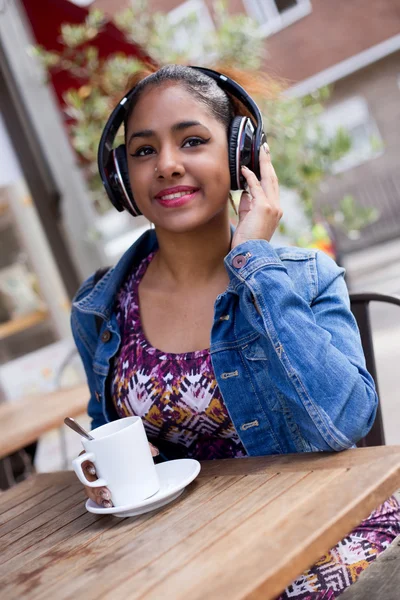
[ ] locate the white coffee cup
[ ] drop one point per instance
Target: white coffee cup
(121, 454)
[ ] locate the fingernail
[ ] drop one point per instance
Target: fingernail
(105, 494)
(244, 167)
(154, 450)
(91, 470)
(106, 504)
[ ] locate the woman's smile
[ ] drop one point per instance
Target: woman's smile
(176, 196)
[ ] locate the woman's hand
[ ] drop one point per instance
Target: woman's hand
(259, 211)
(102, 495)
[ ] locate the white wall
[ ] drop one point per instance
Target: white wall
(77, 211)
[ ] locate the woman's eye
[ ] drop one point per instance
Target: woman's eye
(145, 151)
(193, 142)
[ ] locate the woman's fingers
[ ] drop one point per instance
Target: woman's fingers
(89, 470)
(254, 186)
(266, 191)
(269, 180)
(103, 497)
(244, 205)
(259, 215)
(154, 451)
(100, 495)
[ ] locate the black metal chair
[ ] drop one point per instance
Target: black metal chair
(360, 309)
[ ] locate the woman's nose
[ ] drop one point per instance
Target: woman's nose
(169, 165)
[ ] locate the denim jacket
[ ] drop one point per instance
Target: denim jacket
(285, 348)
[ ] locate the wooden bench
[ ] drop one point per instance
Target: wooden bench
(23, 421)
(381, 581)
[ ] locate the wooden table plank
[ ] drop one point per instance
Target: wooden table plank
(306, 461)
(244, 529)
(287, 545)
(198, 544)
(43, 513)
(122, 533)
(127, 544)
(23, 421)
(21, 323)
(27, 490)
(24, 510)
(139, 554)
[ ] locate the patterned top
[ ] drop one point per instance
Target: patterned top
(176, 395)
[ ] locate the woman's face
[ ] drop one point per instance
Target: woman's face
(177, 155)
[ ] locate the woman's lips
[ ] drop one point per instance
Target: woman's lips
(180, 201)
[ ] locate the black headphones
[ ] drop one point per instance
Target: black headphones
(244, 142)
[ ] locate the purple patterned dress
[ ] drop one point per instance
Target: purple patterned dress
(176, 395)
(178, 398)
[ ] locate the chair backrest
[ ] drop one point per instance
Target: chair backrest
(360, 309)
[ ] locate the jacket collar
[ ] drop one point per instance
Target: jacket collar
(101, 298)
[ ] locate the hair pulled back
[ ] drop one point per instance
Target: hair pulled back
(203, 88)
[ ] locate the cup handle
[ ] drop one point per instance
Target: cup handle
(77, 465)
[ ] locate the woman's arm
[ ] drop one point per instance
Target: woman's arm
(95, 409)
(317, 362)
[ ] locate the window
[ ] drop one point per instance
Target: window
(274, 15)
(192, 23)
(353, 116)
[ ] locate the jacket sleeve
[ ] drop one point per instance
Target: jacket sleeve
(314, 348)
(86, 351)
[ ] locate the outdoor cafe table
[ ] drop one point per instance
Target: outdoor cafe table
(245, 528)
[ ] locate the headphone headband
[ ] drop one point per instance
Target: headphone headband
(247, 141)
(229, 85)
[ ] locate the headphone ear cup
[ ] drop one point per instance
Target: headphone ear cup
(241, 150)
(121, 168)
(235, 129)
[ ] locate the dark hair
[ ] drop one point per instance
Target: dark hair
(203, 88)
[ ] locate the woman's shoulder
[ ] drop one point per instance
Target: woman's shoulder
(323, 262)
(311, 268)
(295, 253)
(98, 292)
(84, 289)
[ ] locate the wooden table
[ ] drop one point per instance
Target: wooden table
(24, 421)
(21, 323)
(244, 529)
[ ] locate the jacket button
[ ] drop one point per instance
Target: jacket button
(98, 397)
(239, 261)
(106, 336)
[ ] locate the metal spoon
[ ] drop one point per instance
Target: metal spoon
(78, 428)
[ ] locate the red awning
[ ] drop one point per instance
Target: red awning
(46, 22)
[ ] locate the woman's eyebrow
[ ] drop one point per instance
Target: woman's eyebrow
(146, 133)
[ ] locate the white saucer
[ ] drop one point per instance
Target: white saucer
(174, 476)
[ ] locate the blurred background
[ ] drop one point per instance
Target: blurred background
(332, 119)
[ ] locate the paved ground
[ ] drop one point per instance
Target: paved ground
(378, 270)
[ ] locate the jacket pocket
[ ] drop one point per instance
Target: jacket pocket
(255, 350)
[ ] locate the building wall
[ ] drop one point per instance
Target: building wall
(332, 32)
(376, 182)
(378, 84)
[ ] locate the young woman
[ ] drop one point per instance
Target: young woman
(223, 344)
